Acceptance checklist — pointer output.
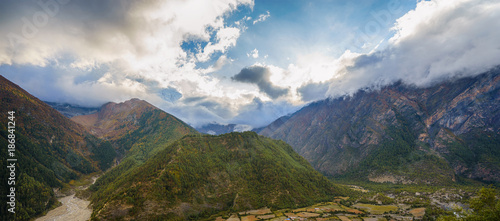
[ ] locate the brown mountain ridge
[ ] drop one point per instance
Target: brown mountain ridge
(403, 134)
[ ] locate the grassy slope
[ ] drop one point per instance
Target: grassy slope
(154, 130)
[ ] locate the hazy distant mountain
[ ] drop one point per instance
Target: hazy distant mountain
(201, 174)
(71, 110)
(402, 133)
(50, 150)
(218, 129)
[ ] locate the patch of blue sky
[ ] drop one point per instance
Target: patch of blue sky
(328, 27)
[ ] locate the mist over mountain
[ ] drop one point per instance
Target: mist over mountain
(71, 110)
(218, 129)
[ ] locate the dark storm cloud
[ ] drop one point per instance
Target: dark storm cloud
(371, 59)
(313, 91)
(259, 76)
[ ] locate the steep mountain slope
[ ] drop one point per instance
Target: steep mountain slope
(202, 174)
(50, 149)
(273, 126)
(402, 133)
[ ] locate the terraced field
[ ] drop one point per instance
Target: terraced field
(329, 211)
(376, 209)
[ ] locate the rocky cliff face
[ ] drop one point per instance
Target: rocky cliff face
(402, 133)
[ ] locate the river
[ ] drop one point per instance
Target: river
(72, 208)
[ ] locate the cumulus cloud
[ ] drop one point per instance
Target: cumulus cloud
(260, 76)
(132, 36)
(226, 37)
(439, 40)
(254, 53)
(262, 17)
(92, 52)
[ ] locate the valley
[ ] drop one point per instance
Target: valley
(409, 203)
(250, 110)
(72, 208)
(73, 203)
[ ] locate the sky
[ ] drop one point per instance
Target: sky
(239, 61)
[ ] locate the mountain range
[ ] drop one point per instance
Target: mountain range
(157, 167)
(401, 133)
(168, 170)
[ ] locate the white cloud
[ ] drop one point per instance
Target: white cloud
(223, 60)
(226, 37)
(123, 41)
(138, 35)
(262, 17)
(242, 127)
(254, 53)
(439, 40)
(314, 68)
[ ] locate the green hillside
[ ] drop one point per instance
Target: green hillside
(201, 175)
(137, 130)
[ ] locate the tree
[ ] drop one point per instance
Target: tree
(484, 207)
